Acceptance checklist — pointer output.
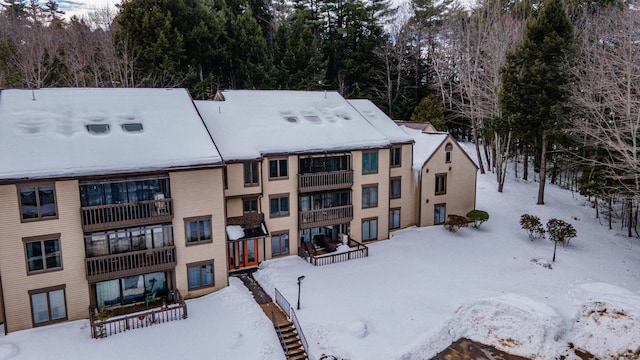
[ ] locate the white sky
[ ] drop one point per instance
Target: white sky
(82, 7)
(415, 294)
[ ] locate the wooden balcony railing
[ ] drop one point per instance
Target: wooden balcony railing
(356, 251)
(101, 327)
(104, 217)
(326, 216)
(115, 266)
(325, 181)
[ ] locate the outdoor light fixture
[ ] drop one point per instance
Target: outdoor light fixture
(300, 278)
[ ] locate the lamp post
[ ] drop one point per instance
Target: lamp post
(300, 278)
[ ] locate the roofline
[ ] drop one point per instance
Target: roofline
(443, 141)
(312, 152)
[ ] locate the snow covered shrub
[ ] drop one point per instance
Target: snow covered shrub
(532, 225)
(455, 222)
(478, 217)
(560, 230)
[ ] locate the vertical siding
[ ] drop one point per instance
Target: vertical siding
(282, 186)
(382, 179)
(199, 193)
(407, 201)
(16, 283)
(461, 183)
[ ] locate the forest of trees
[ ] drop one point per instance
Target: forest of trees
(552, 83)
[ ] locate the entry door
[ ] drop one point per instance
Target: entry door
(243, 253)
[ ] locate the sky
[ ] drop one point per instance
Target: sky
(414, 294)
(82, 7)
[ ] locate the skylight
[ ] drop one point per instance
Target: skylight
(132, 127)
(98, 129)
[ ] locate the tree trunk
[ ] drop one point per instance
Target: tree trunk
(543, 169)
(475, 140)
(610, 211)
(525, 163)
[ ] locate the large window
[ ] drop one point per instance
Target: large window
(125, 240)
(279, 205)
(200, 275)
(278, 169)
(251, 173)
(48, 305)
(370, 229)
(130, 290)
(279, 244)
(38, 202)
(439, 213)
(250, 205)
(441, 184)
(370, 162)
(396, 156)
(395, 187)
(324, 200)
(369, 196)
(394, 218)
(43, 253)
(317, 164)
(198, 230)
(123, 191)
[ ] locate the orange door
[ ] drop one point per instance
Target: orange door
(243, 253)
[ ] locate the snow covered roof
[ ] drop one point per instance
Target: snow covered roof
(380, 121)
(60, 132)
(426, 143)
(252, 123)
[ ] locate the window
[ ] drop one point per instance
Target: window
(278, 169)
(198, 230)
(370, 229)
(317, 164)
(279, 244)
(439, 214)
(324, 200)
(120, 191)
(43, 253)
(370, 162)
(38, 202)
(447, 155)
(369, 196)
(441, 184)
(200, 275)
(279, 205)
(98, 129)
(250, 205)
(132, 239)
(132, 127)
(395, 186)
(394, 218)
(131, 289)
(396, 156)
(251, 173)
(48, 305)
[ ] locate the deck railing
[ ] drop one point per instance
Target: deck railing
(283, 303)
(325, 180)
(114, 266)
(357, 251)
(303, 339)
(101, 328)
(104, 217)
(327, 216)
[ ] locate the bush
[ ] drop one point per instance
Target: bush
(478, 217)
(560, 231)
(455, 222)
(532, 225)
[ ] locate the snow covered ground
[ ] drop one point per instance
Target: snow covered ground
(413, 296)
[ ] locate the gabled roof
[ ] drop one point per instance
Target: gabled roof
(250, 124)
(426, 144)
(380, 121)
(45, 133)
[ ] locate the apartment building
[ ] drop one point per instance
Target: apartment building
(107, 199)
(118, 198)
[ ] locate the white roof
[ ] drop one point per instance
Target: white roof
(380, 121)
(426, 143)
(43, 133)
(252, 123)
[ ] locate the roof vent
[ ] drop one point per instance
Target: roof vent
(98, 129)
(132, 127)
(218, 96)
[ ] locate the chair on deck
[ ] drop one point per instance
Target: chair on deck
(310, 248)
(329, 244)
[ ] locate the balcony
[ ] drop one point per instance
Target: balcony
(326, 216)
(132, 263)
(105, 217)
(325, 181)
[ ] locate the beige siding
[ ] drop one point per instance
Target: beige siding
(461, 183)
(281, 186)
(407, 201)
(199, 193)
(16, 283)
(382, 210)
(235, 181)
